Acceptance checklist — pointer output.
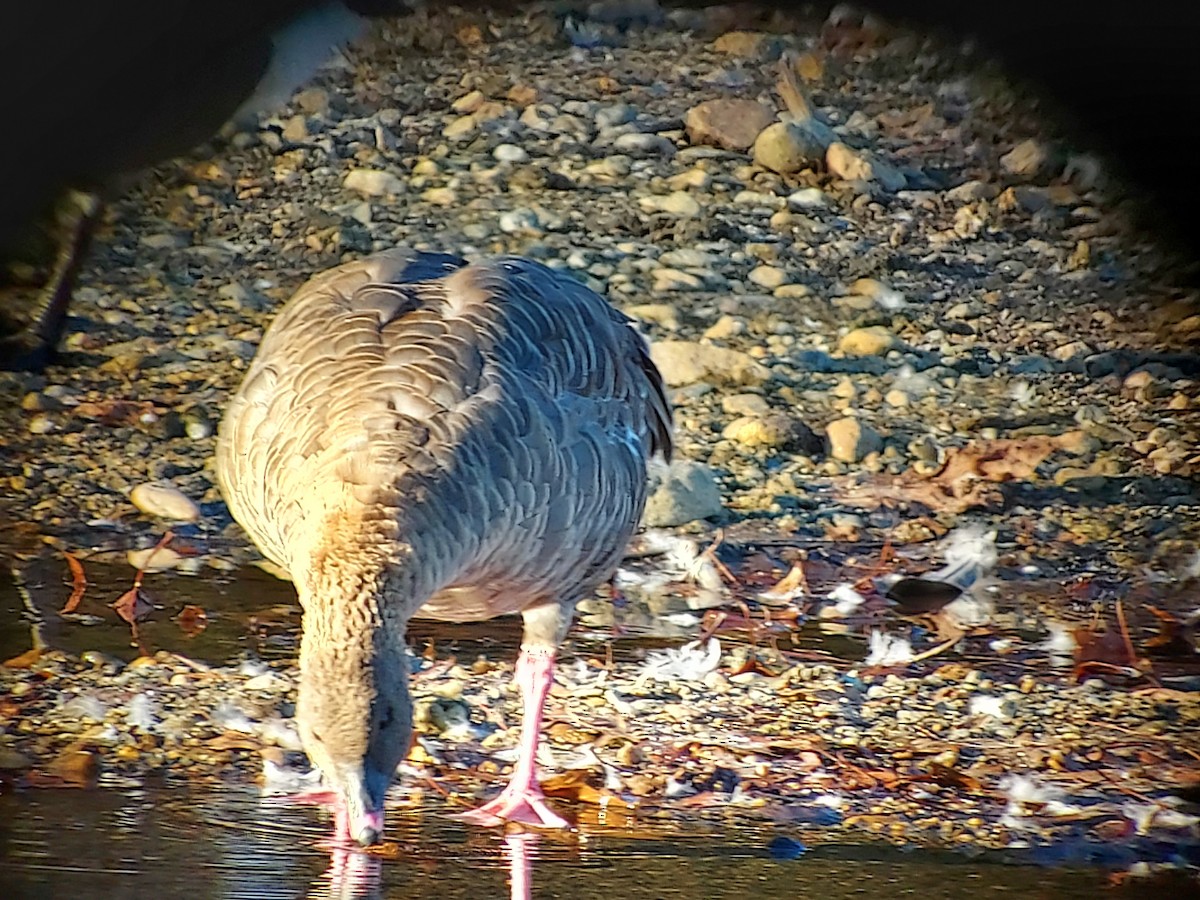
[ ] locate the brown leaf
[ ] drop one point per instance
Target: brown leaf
(117, 412)
(792, 583)
(76, 766)
(966, 478)
(25, 660)
(947, 776)
(78, 584)
(580, 785)
(1004, 459)
(232, 740)
(133, 605)
(1173, 638)
(1106, 647)
(192, 620)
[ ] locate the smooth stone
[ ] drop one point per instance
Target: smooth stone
(677, 203)
(788, 147)
(871, 341)
(510, 153)
(857, 165)
(731, 123)
(850, 440)
(165, 502)
(667, 279)
(685, 491)
(685, 362)
(373, 182)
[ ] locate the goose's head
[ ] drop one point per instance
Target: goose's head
(353, 711)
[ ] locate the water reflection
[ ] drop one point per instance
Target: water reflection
(231, 843)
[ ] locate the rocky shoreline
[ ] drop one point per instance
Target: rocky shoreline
(899, 302)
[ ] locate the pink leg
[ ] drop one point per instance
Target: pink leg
(522, 801)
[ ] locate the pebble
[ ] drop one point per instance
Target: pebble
(165, 502)
(373, 182)
(1028, 159)
(788, 147)
(510, 153)
(850, 440)
(520, 221)
(638, 144)
(663, 314)
(873, 341)
(725, 327)
(677, 203)
(667, 279)
(732, 123)
(858, 165)
(774, 430)
(769, 277)
(685, 362)
(686, 491)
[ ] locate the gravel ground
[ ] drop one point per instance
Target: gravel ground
(906, 304)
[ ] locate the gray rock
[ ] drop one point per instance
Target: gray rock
(638, 144)
(682, 492)
(164, 502)
(373, 182)
(510, 153)
(850, 440)
(789, 147)
(729, 122)
(1027, 159)
(685, 362)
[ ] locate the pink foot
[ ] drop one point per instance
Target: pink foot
(523, 801)
(526, 807)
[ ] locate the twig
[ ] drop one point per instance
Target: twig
(788, 88)
(711, 553)
(1125, 634)
(934, 651)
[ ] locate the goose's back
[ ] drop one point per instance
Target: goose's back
(494, 419)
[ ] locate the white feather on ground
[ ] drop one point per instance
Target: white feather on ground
(970, 554)
(1027, 797)
(887, 650)
(845, 599)
(691, 662)
(682, 562)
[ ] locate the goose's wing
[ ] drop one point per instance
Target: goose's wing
(295, 436)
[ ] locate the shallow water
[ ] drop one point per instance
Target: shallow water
(227, 841)
(234, 844)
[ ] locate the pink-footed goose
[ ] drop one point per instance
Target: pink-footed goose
(419, 436)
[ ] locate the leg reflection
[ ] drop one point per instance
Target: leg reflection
(520, 863)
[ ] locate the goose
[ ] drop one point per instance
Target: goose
(100, 91)
(422, 436)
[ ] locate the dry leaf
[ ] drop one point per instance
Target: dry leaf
(947, 776)
(78, 585)
(966, 480)
(25, 660)
(133, 605)
(579, 785)
(117, 412)
(232, 740)
(192, 620)
(792, 584)
(1174, 638)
